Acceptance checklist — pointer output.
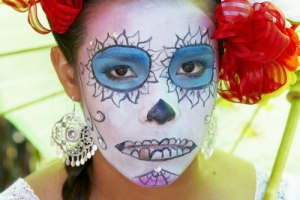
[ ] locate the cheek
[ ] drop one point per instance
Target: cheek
(104, 117)
(194, 120)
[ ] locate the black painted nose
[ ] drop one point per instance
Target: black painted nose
(161, 112)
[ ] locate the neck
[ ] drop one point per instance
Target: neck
(106, 180)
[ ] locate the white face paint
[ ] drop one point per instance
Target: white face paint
(148, 81)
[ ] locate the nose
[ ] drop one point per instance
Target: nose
(161, 112)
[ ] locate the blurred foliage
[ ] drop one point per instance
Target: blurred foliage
(249, 130)
(18, 157)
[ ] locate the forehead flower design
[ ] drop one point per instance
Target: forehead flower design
(197, 51)
(113, 46)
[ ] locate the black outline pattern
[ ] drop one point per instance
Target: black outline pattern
(90, 120)
(123, 40)
(155, 178)
(157, 151)
(194, 96)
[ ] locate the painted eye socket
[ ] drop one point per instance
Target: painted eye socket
(121, 68)
(191, 67)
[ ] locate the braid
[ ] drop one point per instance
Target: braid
(77, 185)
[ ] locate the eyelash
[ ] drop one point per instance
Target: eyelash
(119, 78)
(203, 62)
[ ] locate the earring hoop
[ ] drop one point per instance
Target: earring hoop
(72, 139)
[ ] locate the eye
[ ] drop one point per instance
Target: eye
(191, 68)
(120, 68)
(122, 72)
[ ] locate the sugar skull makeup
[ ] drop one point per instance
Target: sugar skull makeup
(142, 84)
(120, 68)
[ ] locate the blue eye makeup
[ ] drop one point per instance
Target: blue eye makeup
(191, 67)
(121, 68)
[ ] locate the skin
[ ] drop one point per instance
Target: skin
(127, 120)
(114, 171)
(211, 182)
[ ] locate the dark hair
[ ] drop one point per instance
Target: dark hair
(70, 41)
(77, 185)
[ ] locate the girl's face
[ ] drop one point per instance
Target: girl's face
(148, 83)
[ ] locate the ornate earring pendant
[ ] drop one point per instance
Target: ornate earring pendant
(208, 145)
(72, 139)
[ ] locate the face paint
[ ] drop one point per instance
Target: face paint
(138, 86)
(153, 150)
(120, 68)
(156, 178)
(189, 67)
(192, 67)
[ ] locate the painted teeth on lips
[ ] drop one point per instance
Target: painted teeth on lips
(153, 150)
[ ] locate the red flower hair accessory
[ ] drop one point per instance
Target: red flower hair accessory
(260, 51)
(61, 13)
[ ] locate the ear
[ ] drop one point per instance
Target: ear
(66, 73)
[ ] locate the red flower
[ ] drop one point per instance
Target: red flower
(61, 13)
(258, 50)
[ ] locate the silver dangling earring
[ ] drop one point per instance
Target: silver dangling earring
(73, 141)
(208, 145)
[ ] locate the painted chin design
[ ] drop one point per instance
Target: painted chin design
(155, 178)
(153, 150)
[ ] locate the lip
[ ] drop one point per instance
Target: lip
(153, 150)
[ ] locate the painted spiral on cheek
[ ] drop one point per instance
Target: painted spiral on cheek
(100, 117)
(90, 119)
